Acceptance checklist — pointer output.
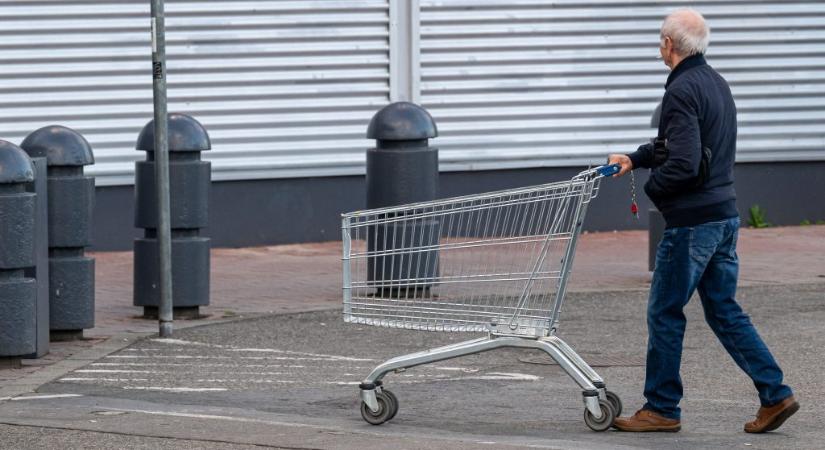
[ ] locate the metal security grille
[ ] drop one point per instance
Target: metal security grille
(526, 83)
(285, 88)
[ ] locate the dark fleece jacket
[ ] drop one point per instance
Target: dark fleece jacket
(697, 110)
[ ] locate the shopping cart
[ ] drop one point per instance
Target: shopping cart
(496, 263)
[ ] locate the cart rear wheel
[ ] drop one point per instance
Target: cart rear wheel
(615, 402)
(393, 400)
(385, 407)
(606, 420)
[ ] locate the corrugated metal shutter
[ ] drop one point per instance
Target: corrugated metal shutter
(525, 83)
(285, 88)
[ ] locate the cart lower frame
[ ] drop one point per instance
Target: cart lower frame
(593, 386)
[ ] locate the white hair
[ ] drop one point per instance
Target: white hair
(688, 31)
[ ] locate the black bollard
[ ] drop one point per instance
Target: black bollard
(189, 179)
(71, 198)
(18, 294)
(402, 168)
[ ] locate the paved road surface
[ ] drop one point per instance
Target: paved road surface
(290, 382)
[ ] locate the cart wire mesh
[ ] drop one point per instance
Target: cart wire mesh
(488, 262)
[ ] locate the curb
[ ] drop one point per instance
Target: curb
(30, 383)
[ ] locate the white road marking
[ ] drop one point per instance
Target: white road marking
(507, 376)
(231, 380)
(487, 377)
(184, 342)
(40, 397)
(173, 389)
(199, 365)
(119, 380)
(260, 350)
(317, 355)
(457, 369)
(113, 371)
(502, 376)
(256, 358)
(499, 376)
(162, 372)
(261, 373)
(216, 417)
(167, 356)
(152, 361)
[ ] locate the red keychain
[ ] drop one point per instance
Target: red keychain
(634, 208)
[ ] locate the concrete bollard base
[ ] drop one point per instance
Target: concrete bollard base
(10, 362)
(65, 335)
(178, 313)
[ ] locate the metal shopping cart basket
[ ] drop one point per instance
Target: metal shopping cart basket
(495, 263)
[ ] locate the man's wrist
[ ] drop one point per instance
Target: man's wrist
(635, 159)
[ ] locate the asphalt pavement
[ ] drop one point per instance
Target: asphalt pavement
(272, 365)
(290, 381)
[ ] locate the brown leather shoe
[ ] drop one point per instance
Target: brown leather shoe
(646, 420)
(772, 417)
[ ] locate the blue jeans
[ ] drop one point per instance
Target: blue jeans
(702, 257)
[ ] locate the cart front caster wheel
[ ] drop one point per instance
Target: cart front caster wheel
(393, 401)
(384, 413)
(605, 422)
(615, 402)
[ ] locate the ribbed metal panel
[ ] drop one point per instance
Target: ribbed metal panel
(525, 83)
(285, 88)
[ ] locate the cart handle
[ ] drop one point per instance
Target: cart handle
(608, 170)
(600, 171)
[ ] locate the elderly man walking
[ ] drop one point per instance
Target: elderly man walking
(691, 183)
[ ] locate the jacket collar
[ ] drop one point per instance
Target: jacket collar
(686, 64)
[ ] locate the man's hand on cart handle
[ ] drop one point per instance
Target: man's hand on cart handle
(623, 161)
(625, 166)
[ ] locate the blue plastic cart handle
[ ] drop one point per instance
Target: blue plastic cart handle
(607, 171)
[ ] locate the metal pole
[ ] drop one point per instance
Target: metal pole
(164, 233)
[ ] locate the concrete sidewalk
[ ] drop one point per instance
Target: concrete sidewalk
(249, 282)
(307, 277)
